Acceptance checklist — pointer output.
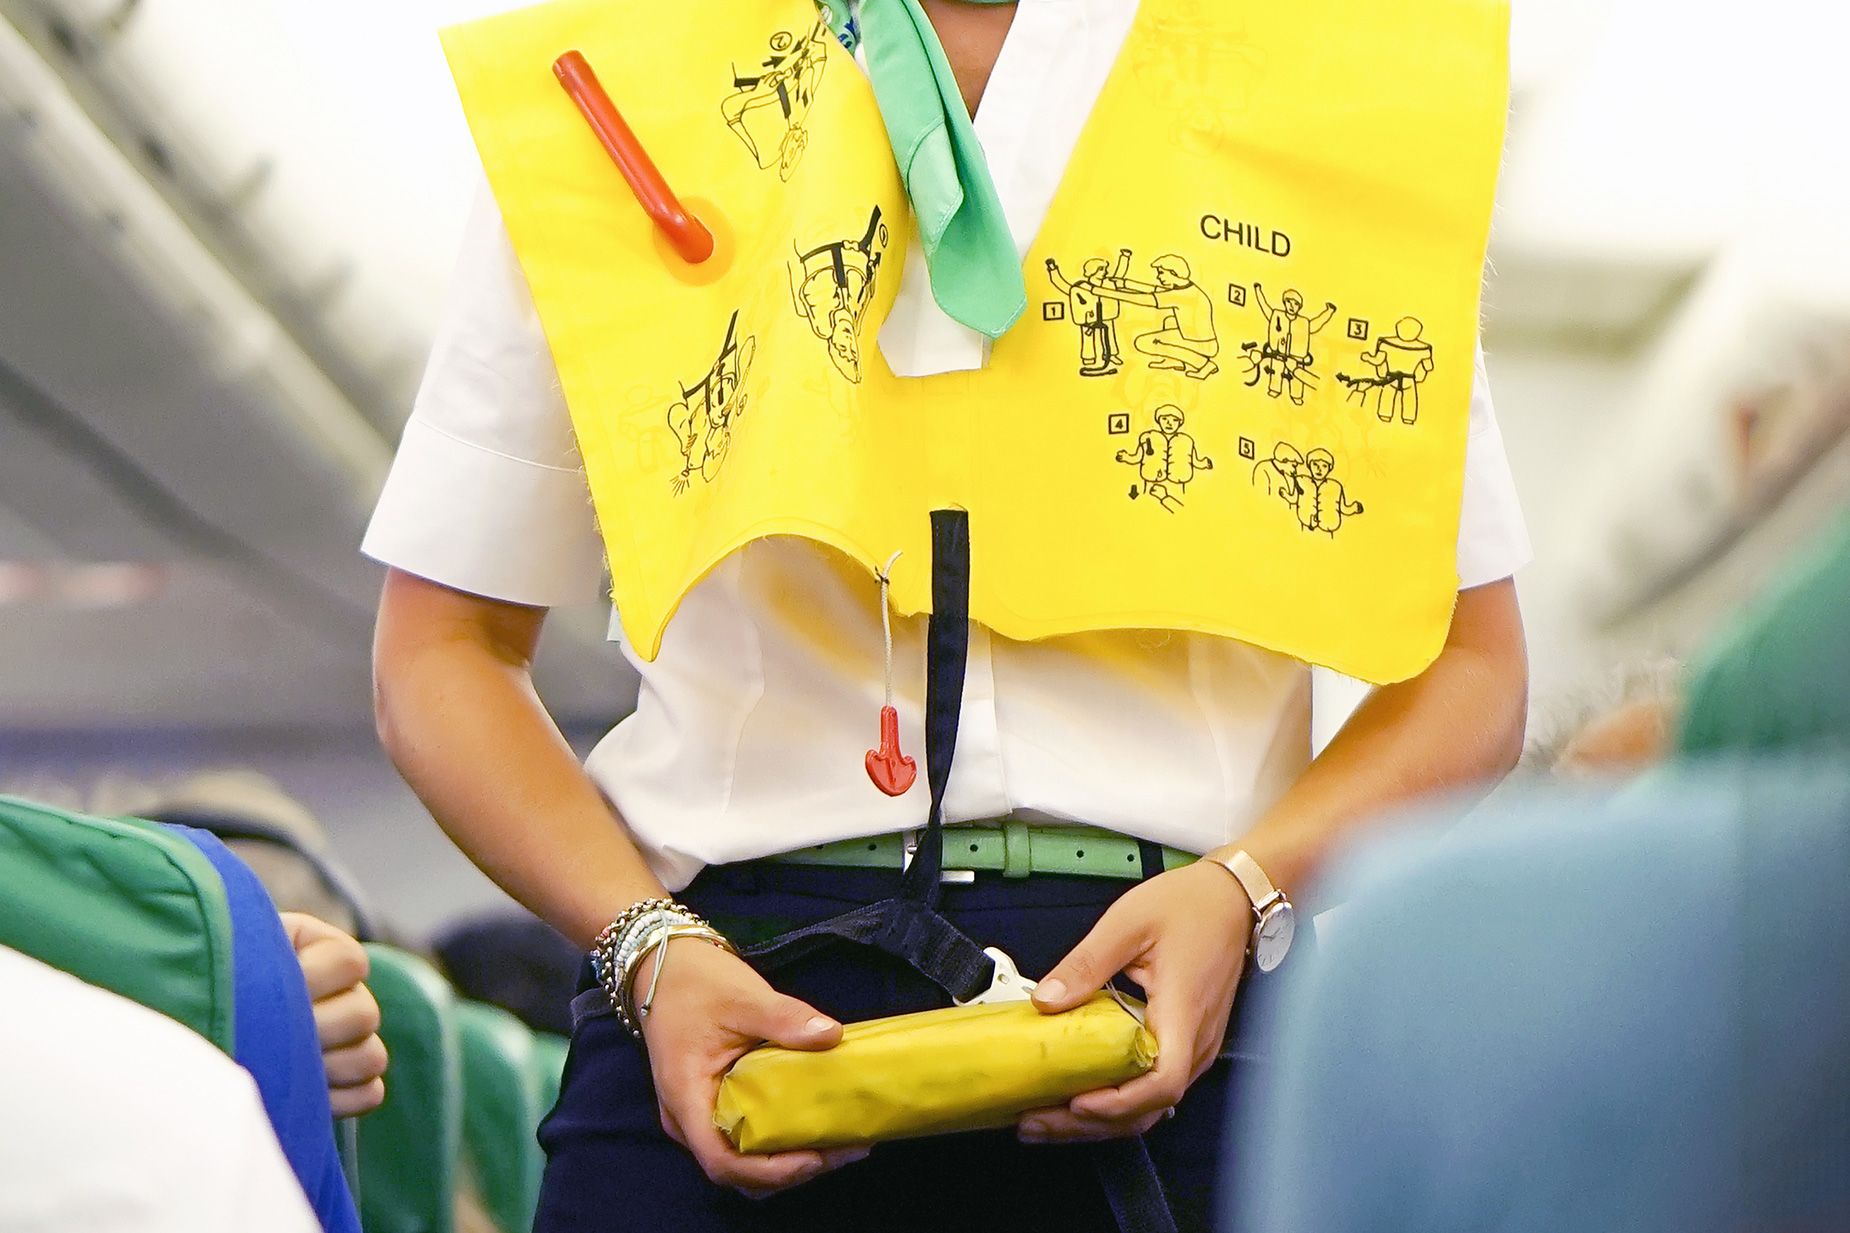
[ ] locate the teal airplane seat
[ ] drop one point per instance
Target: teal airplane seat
(410, 1145)
(502, 1096)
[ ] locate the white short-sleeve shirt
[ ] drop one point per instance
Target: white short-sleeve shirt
(752, 722)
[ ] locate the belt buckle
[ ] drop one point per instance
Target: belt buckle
(910, 849)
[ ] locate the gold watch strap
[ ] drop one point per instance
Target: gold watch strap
(1252, 879)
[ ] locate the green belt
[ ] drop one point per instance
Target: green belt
(1010, 848)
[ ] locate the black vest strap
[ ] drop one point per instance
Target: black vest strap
(902, 928)
(947, 653)
(1132, 1188)
(1152, 856)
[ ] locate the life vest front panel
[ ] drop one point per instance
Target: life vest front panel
(1238, 403)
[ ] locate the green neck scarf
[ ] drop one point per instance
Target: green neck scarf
(975, 270)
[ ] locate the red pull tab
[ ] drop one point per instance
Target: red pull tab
(687, 234)
(891, 771)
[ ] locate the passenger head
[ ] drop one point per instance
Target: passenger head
(1169, 419)
(212, 799)
(1094, 268)
(514, 961)
(1294, 303)
(1320, 462)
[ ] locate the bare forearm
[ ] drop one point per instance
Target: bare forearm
(1457, 725)
(473, 741)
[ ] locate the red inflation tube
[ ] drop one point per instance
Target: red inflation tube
(687, 234)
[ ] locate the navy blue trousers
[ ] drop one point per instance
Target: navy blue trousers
(611, 1168)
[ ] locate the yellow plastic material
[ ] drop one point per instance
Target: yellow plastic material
(1238, 402)
(963, 1068)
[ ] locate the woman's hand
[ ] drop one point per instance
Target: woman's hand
(710, 1009)
(334, 966)
(1182, 936)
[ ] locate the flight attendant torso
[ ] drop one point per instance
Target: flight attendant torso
(758, 705)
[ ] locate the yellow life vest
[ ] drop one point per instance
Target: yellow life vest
(1238, 401)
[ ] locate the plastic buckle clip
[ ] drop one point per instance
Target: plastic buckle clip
(1007, 985)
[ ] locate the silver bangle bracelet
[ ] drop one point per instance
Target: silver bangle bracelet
(649, 933)
(615, 948)
(629, 939)
(639, 1011)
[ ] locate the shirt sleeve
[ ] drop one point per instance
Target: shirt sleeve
(1493, 539)
(487, 493)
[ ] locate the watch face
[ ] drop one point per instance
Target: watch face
(1272, 937)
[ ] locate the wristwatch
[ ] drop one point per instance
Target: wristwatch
(1275, 922)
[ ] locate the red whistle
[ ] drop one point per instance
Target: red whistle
(687, 234)
(891, 771)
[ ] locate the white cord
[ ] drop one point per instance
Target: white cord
(886, 621)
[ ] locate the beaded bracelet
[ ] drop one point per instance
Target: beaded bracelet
(615, 945)
(625, 942)
(627, 948)
(619, 951)
(628, 917)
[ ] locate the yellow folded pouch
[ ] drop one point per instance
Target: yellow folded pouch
(974, 1067)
